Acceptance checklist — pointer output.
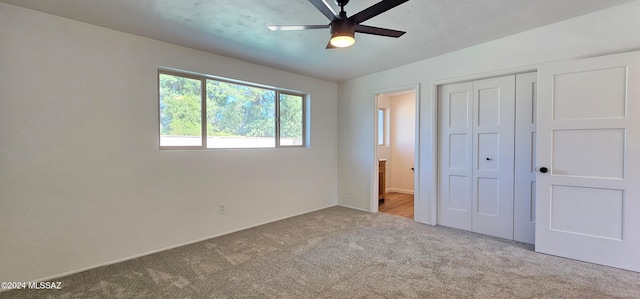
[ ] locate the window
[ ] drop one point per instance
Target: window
(202, 112)
(291, 115)
(382, 125)
(180, 111)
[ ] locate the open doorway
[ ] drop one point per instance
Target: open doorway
(396, 139)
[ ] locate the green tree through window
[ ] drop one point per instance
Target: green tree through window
(237, 115)
(180, 110)
(291, 119)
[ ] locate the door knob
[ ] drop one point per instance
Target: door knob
(543, 169)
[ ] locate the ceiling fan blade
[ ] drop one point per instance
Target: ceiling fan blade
(325, 9)
(375, 10)
(379, 31)
(295, 27)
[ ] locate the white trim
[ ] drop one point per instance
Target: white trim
(350, 207)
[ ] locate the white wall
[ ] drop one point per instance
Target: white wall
(82, 181)
(403, 128)
(607, 31)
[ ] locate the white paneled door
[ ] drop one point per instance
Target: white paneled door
(455, 141)
(524, 215)
(476, 145)
(493, 154)
(588, 181)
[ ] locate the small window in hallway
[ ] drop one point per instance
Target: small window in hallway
(382, 125)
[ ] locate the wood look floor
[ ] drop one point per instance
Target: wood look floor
(397, 204)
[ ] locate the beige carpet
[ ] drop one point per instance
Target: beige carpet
(344, 253)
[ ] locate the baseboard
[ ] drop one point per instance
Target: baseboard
(404, 191)
(350, 207)
(53, 277)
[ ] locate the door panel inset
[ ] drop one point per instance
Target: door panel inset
(458, 148)
(532, 89)
(588, 211)
(458, 107)
(489, 106)
(601, 153)
(458, 195)
(532, 202)
(533, 151)
(488, 196)
(581, 95)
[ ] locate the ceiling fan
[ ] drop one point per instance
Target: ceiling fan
(343, 28)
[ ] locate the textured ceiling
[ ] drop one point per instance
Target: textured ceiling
(237, 28)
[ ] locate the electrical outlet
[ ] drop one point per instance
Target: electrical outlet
(222, 208)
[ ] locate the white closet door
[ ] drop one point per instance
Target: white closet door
(493, 156)
(454, 141)
(588, 203)
(525, 180)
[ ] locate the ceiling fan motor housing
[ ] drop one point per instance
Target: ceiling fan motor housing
(343, 26)
(341, 2)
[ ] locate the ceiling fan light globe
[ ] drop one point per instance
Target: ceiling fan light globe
(342, 41)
